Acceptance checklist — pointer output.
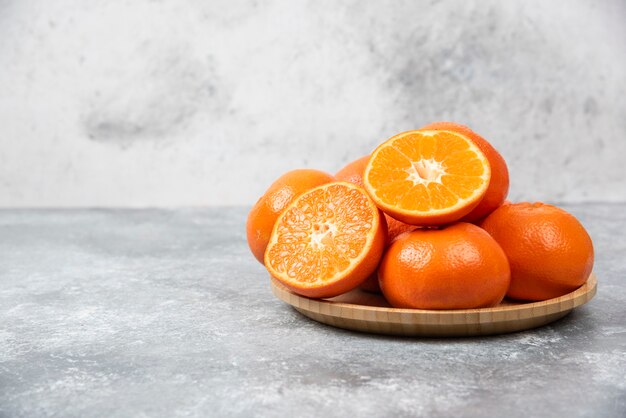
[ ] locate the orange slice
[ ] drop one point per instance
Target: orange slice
(327, 241)
(429, 177)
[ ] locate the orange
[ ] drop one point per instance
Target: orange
(264, 213)
(396, 228)
(353, 171)
(549, 250)
(327, 241)
(427, 177)
(499, 184)
(457, 267)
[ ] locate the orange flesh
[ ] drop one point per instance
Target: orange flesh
(422, 171)
(321, 235)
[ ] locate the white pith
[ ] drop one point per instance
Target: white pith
(425, 171)
(321, 231)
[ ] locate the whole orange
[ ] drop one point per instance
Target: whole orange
(549, 250)
(459, 266)
(280, 194)
(499, 184)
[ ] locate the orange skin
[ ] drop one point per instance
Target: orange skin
(280, 194)
(457, 267)
(348, 279)
(353, 173)
(550, 252)
(499, 183)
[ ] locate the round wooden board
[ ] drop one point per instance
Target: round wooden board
(361, 311)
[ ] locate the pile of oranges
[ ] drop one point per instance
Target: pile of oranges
(424, 219)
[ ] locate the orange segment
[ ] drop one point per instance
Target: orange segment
(427, 177)
(327, 241)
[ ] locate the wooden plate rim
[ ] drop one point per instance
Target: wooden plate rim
(575, 298)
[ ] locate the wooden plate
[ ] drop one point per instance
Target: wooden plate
(361, 311)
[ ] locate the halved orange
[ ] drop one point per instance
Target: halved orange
(327, 241)
(499, 183)
(427, 177)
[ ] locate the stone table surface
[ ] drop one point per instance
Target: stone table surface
(166, 313)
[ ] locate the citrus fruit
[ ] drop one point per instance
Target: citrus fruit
(427, 177)
(265, 211)
(549, 250)
(327, 241)
(499, 183)
(459, 266)
(353, 171)
(396, 228)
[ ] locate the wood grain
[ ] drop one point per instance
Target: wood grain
(361, 311)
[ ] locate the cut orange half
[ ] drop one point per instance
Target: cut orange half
(327, 241)
(429, 177)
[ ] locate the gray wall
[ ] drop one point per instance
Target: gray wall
(117, 103)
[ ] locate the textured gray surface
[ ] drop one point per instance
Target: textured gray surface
(163, 103)
(165, 313)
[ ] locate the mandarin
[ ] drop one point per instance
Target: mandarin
(549, 250)
(459, 266)
(327, 241)
(353, 171)
(499, 183)
(427, 177)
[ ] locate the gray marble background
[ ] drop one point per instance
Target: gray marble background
(157, 103)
